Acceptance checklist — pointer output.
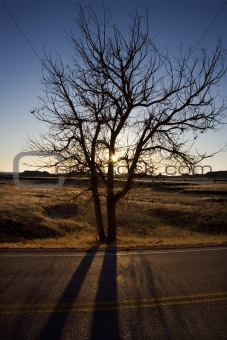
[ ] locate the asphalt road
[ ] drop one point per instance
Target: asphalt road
(165, 294)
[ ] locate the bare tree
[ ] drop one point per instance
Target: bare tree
(122, 99)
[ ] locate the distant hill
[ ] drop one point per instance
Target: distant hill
(36, 173)
(217, 174)
(41, 174)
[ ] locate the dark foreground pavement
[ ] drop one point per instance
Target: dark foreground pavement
(168, 294)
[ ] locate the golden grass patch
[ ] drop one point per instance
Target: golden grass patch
(156, 216)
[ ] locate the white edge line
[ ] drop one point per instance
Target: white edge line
(125, 253)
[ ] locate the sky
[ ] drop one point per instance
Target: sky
(35, 25)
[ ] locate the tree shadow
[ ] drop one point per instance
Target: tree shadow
(163, 321)
(105, 324)
(55, 325)
(19, 330)
(159, 312)
(10, 281)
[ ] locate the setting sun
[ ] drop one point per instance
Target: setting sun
(114, 158)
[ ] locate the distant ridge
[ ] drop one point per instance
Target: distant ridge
(35, 173)
(41, 174)
(216, 174)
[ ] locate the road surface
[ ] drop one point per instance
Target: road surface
(163, 294)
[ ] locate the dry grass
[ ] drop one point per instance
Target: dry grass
(26, 214)
(146, 217)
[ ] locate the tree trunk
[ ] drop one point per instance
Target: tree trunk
(98, 210)
(99, 219)
(111, 218)
(111, 202)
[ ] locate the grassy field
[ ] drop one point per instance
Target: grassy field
(173, 215)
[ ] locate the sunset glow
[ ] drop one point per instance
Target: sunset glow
(114, 158)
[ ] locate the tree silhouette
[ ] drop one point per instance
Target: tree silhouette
(124, 100)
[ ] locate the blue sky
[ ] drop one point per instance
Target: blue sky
(44, 24)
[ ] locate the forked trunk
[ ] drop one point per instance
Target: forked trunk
(111, 218)
(99, 219)
(98, 210)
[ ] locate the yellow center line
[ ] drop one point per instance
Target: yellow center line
(89, 306)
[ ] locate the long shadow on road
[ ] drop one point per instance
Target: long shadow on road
(105, 324)
(55, 325)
